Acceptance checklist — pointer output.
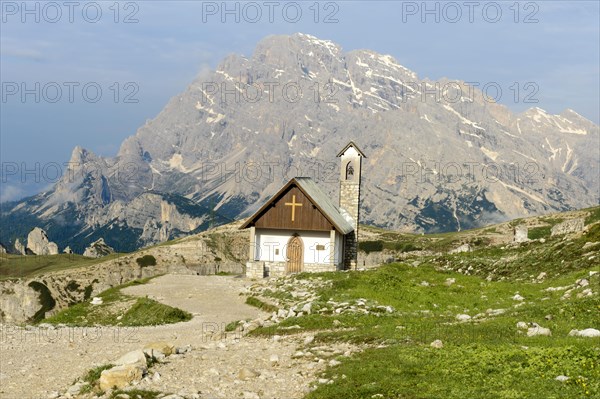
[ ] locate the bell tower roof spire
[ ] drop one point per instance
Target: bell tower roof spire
(353, 145)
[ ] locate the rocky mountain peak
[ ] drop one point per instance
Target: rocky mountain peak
(435, 163)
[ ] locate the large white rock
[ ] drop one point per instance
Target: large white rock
(588, 333)
(121, 376)
(97, 301)
(437, 344)
(134, 357)
(20, 248)
(537, 330)
(98, 249)
(38, 243)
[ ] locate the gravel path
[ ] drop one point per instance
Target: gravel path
(39, 362)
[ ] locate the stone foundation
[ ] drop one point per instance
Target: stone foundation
(260, 269)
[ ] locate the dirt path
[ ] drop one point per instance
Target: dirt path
(37, 363)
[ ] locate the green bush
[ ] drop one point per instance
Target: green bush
(370, 246)
(406, 247)
(146, 260)
(539, 232)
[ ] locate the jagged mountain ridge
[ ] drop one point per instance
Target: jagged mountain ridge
(449, 163)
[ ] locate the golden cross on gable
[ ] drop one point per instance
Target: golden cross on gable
(293, 204)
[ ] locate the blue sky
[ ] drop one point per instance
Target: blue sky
(164, 45)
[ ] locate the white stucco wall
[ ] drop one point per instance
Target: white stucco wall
(267, 241)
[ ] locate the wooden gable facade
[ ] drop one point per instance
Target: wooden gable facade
(292, 210)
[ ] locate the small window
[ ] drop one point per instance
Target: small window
(320, 247)
(349, 171)
(276, 251)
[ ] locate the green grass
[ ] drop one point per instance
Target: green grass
(468, 371)
(593, 216)
(93, 375)
(148, 312)
(18, 266)
(539, 232)
(257, 303)
(487, 358)
(232, 326)
(120, 309)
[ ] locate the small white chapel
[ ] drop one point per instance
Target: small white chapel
(300, 228)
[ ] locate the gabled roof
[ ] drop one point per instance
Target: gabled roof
(351, 144)
(321, 200)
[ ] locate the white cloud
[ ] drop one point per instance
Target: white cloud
(10, 193)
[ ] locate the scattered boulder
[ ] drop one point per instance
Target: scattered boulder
(518, 297)
(96, 301)
(582, 282)
(38, 243)
(587, 333)
(585, 293)
(590, 244)
(542, 276)
(536, 330)
(135, 357)
(68, 250)
(76, 388)
(522, 325)
(463, 317)
(98, 249)
(562, 378)
(121, 376)
(163, 347)
(274, 359)
(437, 344)
(245, 374)
(2, 249)
(20, 248)
(521, 234)
(449, 282)
(462, 248)
(568, 226)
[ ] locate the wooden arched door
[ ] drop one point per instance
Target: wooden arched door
(294, 255)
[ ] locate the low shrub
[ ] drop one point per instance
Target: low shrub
(146, 260)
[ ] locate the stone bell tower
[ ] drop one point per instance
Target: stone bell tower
(350, 171)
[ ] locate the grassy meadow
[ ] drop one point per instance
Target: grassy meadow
(484, 357)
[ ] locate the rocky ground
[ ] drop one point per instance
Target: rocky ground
(44, 362)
